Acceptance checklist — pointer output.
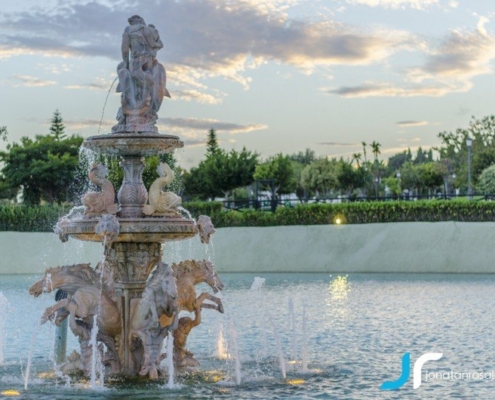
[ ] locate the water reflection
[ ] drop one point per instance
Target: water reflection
(339, 288)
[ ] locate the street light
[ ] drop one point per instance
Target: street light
(453, 183)
(469, 143)
(398, 179)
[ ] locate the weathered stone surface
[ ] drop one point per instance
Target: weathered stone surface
(161, 202)
(122, 144)
(103, 202)
(142, 79)
(149, 229)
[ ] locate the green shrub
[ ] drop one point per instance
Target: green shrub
(43, 218)
(30, 219)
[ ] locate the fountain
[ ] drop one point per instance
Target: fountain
(124, 309)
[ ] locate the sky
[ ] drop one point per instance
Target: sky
(275, 76)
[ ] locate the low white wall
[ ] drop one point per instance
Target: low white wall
(451, 247)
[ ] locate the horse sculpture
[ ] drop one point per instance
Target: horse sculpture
(188, 274)
(86, 298)
(159, 297)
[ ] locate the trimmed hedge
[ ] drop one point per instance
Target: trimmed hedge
(30, 219)
(43, 218)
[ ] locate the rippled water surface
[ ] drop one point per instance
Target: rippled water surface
(358, 328)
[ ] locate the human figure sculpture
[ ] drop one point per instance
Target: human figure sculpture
(142, 79)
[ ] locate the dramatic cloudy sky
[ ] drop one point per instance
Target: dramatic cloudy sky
(271, 75)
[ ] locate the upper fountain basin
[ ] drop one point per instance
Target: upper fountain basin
(133, 144)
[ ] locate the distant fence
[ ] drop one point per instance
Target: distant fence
(272, 204)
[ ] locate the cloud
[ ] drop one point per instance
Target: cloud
(338, 144)
(410, 124)
(411, 140)
(98, 84)
(203, 125)
(192, 94)
(372, 89)
(30, 81)
(394, 4)
(461, 56)
(212, 37)
(449, 67)
(87, 123)
(194, 143)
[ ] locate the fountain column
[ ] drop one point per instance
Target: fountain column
(132, 195)
(130, 263)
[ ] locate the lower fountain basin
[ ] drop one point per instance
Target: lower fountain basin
(136, 230)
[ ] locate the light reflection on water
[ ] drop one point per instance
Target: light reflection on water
(359, 326)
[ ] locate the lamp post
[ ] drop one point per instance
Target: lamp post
(453, 183)
(469, 143)
(398, 179)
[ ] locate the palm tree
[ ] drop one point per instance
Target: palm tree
(364, 144)
(357, 157)
(375, 146)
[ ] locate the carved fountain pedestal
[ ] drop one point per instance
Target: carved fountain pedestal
(139, 245)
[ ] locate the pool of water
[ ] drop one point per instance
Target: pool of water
(358, 327)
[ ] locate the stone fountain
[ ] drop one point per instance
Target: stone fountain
(131, 301)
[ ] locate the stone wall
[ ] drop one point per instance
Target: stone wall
(439, 247)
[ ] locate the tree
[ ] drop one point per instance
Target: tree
(393, 184)
(320, 176)
(3, 133)
(423, 157)
(482, 159)
(44, 167)
(304, 158)
(409, 176)
(357, 157)
(487, 180)
(57, 128)
(454, 147)
(279, 168)
(431, 175)
(212, 144)
(241, 167)
(396, 161)
(375, 149)
(351, 178)
(196, 183)
(221, 173)
(297, 169)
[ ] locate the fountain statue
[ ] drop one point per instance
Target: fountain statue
(122, 310)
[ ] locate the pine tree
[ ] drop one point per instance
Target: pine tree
(212, 144)
(57, 128)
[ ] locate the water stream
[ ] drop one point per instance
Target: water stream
(4, 308)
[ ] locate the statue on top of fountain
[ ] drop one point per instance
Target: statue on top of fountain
(142, 79)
